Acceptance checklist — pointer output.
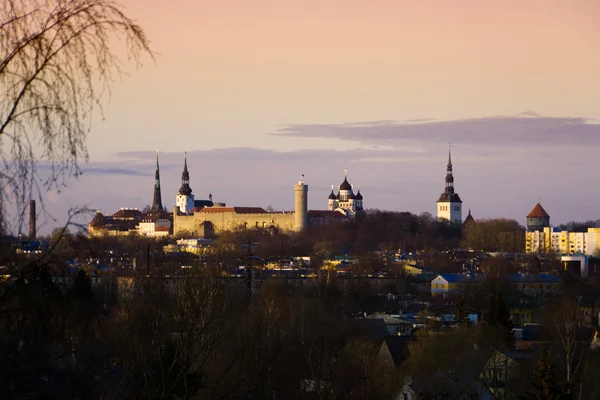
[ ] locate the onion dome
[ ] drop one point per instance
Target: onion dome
(332, 196)
(358, 195)
(345, 185)
(351, 196)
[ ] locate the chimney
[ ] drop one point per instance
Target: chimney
(32, 227)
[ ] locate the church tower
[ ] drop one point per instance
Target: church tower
(185, 198)
(449, 205)
(157, 205)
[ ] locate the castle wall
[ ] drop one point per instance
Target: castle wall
(225, 221)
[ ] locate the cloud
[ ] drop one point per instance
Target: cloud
(526, 130)
(115, 171)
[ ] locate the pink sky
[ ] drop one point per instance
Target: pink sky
(232, 73)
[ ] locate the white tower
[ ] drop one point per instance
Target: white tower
(449, 205)
(300, 205)
(185, 198)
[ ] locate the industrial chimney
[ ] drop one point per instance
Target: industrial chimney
(32, 227)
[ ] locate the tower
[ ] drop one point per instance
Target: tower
(332, 202)
(449, 205)
(32, 220)
(157, 199)
(538, 218)
(185, 199)
(300, 205)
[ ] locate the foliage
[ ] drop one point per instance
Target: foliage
(497, 323)
(57, 61)
(546, 384)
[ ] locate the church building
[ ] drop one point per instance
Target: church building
(345, 201)
(449, 205)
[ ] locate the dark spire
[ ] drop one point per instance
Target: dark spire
(449, 176)
(185, 188)
(157, 200)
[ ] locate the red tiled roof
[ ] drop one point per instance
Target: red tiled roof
(162, 229)
(538, 212)
(237, 210)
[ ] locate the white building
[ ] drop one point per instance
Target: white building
(345, 201)
(449, 205)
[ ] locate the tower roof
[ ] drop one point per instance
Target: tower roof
(538, 212)
(185, 188)
(358, 195)
(469, 218)
(332, 196)
(157, 198)
(345, 185)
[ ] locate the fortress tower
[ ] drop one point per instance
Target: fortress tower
(300, 205)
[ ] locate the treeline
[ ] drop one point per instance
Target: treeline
(187, 340)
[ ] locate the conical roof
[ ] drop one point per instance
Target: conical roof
(332, 196)
(538, 212)
(358, 195)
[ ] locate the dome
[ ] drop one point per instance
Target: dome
(351, 196)
(332, 196)
(358, 195)
(345, 185)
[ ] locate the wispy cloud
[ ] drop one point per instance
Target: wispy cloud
(525, 130)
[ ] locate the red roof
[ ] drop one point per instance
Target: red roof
(538, 212)
(237, 210)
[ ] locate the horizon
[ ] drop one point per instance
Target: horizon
(259, 94)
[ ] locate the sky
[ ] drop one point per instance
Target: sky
(259, 92)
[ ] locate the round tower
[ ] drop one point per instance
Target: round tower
(538, 218)
(300, 205)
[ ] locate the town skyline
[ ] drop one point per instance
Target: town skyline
(375, 88)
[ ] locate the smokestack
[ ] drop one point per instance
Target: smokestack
(32, 227)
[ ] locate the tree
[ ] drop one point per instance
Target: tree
(462, 314)
(546, 384)
(57, 60)
(497, 323)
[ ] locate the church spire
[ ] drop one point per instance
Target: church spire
(449, 176)
(157, 199)
(185, 189)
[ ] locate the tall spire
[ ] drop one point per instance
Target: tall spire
(449, 176)
(185, 188)
(157, 200)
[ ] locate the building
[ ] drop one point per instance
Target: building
(445, 284)
(154, 223)
(185, 199)
(449, 205)
(469, 221)
(537, 219)
(211, 220)
(204, 218)
(345, 201)
(562, 242)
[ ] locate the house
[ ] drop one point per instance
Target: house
(394, 350)
(414, 269)
(445, 284)
(535, 285)
(502, 372)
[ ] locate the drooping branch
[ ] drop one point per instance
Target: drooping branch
(57, 61)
